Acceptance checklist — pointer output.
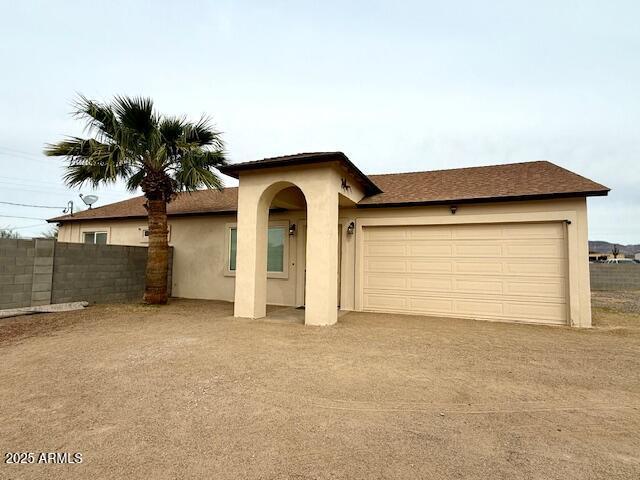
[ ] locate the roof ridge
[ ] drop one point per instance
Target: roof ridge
(474, 167)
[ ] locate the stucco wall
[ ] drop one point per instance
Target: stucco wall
(200, 248)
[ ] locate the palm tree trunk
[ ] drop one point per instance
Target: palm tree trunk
(155, 291)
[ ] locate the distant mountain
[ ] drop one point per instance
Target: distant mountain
(605, 247)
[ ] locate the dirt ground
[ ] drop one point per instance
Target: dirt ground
(186, 391)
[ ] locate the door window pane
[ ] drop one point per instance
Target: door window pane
(233, 246)
(275, 252)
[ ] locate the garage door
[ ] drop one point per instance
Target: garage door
(513, 272)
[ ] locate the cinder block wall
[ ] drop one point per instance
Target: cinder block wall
(614, 277)
(43, 271)
(16, 272)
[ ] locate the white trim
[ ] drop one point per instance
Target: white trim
(301, 260)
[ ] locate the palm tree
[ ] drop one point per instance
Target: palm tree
(160, 154)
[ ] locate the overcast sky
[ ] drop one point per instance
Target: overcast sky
(397, 86)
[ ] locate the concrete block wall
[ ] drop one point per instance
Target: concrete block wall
(606, 276)
(16, 272)
(43, 271)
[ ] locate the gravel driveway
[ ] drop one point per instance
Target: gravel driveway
(186, 391)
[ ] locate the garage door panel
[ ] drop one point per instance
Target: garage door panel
(477, 232)
(478, 267)
(386, 282)
(431, 266)
(533, 230)
(545, 311)
(549, 288)
(477, 249)
(480, 308)
(430, 233)
(501, 272)
(382, 265)
(431, 284)
(386, 250)
(442, 306)
(433, 249)
(546, 267)
(540, 249)
(386, 302)
(487, 286)
(386, 233)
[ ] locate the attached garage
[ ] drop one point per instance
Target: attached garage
(506, 272)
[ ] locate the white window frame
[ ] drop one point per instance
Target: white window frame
(94, 233)
(284, 224)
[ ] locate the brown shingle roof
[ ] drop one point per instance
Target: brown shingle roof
(515, 181)
(194, 203)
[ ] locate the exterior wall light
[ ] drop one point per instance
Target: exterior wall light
(351, 228)
(292, 229)
(453, 209)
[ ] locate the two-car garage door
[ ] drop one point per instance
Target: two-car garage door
(513, 272)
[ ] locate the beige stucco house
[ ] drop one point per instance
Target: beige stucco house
(504, 242)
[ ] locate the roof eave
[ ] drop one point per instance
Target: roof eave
(233, 170)
(511, 198)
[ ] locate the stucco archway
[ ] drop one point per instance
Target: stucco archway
(254, 199)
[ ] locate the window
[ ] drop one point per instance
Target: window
(95, 238)
(233, 248)
(275, 249)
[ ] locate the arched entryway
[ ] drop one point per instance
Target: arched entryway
(256, 197)
(326, 180)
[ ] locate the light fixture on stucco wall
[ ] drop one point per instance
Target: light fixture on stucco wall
(351, 228)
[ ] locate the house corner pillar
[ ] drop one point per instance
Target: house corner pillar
(251, 261)
(321, 302)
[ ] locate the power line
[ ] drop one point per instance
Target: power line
(27, 205)
(28, 226)
(35, 183)
(27, 218)
(24, 157)
(18, 151)
(54, 191)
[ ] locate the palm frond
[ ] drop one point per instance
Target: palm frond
(203, 134)
(100, 118)
(135, 180)
(172, 129)
(136, 114)
(194, 170)
(95, 173)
